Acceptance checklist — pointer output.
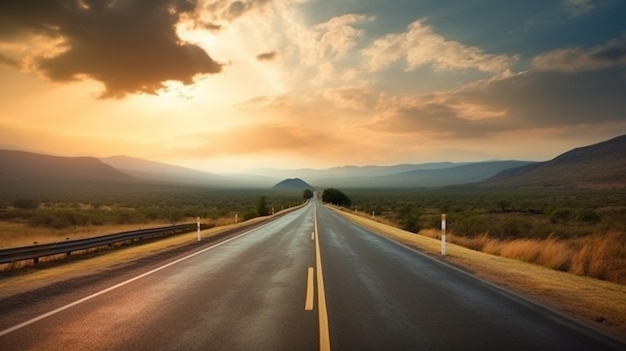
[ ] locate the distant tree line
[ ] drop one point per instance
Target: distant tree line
(92, 209)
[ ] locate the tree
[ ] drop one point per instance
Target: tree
(307, 194)
(409, 219)
(336, 197)
(261, 207)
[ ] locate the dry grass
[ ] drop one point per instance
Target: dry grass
(14, 234)
(586, 298)
(601, 256)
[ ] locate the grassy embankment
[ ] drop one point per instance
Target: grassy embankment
(598, 302)
(571, 230)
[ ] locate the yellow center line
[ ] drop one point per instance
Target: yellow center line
(308, 304)
(321, 296)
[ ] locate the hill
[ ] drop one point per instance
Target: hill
(162, 172)
(458, 174)
(597, 166)
(21, 167)
(293, 183)
(351, 171)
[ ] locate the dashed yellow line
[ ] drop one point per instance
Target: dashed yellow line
(308, 304)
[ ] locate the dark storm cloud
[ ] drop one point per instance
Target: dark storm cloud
(553, 99)
(129, 46)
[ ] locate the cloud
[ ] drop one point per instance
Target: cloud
(578, 7)
(227, 10)
(339, 35)
(356, 98)
(445, 116)
(420, 46)
(9, 61)
(533, 100)
(266, 56)
(258, 138)
(129, 46)
(611, 54)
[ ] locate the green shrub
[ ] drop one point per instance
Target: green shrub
(561, 215)
(261, 207)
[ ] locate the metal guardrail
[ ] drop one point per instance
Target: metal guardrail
(34, 252)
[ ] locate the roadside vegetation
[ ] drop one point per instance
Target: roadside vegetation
(571, 230)
(29, 218)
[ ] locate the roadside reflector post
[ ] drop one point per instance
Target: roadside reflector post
(198, 221)
(443, 234)
(235, 218)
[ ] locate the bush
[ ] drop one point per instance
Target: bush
(471, 226)
(587, 216)
(307, 194)
(261, 207)
(561, 215)
(336, 197)
(515, 228)
(409, 219)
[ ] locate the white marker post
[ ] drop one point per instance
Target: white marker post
(443, 234)
(235, 218)
(198, 228)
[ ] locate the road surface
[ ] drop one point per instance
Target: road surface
(309, 280)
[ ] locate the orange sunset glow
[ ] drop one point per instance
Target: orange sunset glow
(228, 86)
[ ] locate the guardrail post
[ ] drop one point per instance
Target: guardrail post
(443, 234)
(198, 228)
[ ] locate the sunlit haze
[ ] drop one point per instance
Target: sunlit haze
(228, 86)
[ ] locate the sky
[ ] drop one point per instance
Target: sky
(228, 86)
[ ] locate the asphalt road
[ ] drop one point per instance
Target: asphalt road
(308, 280)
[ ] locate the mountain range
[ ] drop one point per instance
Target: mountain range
(601, 165)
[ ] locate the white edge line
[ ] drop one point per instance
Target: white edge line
(87, 298)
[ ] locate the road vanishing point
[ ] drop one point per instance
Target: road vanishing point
(308, 280)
